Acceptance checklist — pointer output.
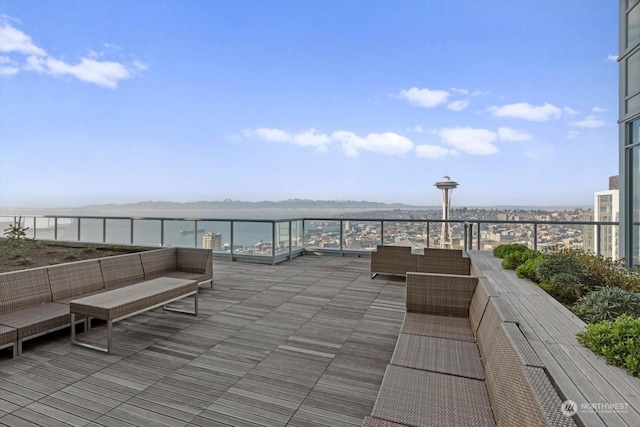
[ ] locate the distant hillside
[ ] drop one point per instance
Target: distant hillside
(238, 204)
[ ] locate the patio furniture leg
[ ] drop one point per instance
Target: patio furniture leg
(109, 336)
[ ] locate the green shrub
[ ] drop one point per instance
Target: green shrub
(528, 268)
(602, 271)
(514, 259)
(607, 304)
(563, 294)
(502, 250)
(616, 340)
(564, 272)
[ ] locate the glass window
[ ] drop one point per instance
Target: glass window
(633, 105)
(633, 74)
(633, 26)
(635, 201)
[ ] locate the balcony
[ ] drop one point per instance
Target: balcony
(304, 342)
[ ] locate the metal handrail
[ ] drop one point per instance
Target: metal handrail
(468, 231)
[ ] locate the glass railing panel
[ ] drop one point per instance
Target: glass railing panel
(361, 235)
(214, 235)
(406, 233)
(252, 238)
(496, 234)
(91, 230)
(182, 233)
(297, 239)
(282, 237)
(147, 232)
(561, 235)
(322, 234)
(67, 229)
(44, 228)
(118, 231)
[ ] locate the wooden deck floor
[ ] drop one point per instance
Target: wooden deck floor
(302, 343)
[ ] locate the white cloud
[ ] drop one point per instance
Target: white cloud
(526, 111)
(470, 140)
(570, 111)
(385, 143)
(433, 151)
(613, 58)
(458, 105)
(88, 69)
(424, 97)
(8, 67)
(14, 40)
(589, 122)
(598, 110)
(102, 73)
(350, 143)
(418, 129)
(508, 134)
(462, 91)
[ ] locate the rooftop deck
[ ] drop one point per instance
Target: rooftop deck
(302, 343)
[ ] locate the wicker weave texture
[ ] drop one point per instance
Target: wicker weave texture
(24, 289)
(454, 328)
(121, 270)
(35, 320)
(446, 356)
(421, 398)
(7, 335)
(484, 290)
(193, 260)
(74, 279)
(158, 262)
(393, 260)
(377, 422)
(124, 301)
(443, 261)
(512, 397)
(547, 398)
(444, 295)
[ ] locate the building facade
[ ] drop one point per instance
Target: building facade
(212, 241)
(629, 122)
(606, 208)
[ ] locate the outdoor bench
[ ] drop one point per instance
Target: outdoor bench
(461, 360)
(36, 301)
(400, 260)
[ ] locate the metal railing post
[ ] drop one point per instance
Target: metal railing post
(131, 231)
(382, 232)
(478, 235)
(55, 228)
(162, 232)
(535, 236)
(290, 239)
(341, 237)
(104, 230)
(598, 242)
(232, 226)
(466, 237)
(273, 243)
(79, 219)
(428, 234)
(195, 233)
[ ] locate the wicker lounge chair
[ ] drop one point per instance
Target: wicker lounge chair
(461, 359)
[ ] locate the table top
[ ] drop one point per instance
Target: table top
(116, 297)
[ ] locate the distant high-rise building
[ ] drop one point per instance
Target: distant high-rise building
(629, 128)
(606, 208)
(212, 241)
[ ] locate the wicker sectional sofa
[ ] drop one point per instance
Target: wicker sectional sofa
(34, 302)
(399, 260)
(461, 359)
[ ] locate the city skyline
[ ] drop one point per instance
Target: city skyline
(104, 102)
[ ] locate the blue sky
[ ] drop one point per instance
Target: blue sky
(125, 101)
